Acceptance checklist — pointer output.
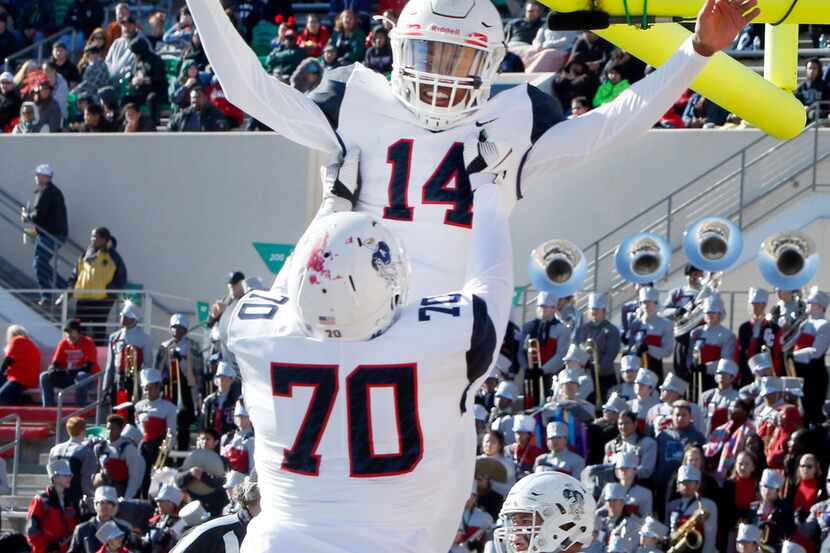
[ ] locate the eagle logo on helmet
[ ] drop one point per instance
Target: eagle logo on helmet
(382, 262)
(576, 501)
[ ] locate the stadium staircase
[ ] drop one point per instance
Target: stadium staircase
(750, 187)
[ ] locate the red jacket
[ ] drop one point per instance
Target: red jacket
(314, 43)
(49, 527)
(217, 97)
(26, 366)
(75, 356)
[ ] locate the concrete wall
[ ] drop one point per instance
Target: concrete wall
(185, 208)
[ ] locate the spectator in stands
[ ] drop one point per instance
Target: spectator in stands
(20, 366)
(48, 213)
(60, 88)
(76, 451)
(234, 116)
(29, 121)
(282, 62)
(63, 65)
(95, 72)
(814, 89)
(200, 116)
(519, 33)
(155, 29)
(329, 57)
(613, 86)
(348, 38)
(727, 440)
(573, 82)
(360, 8)
(592, 50)
(550, 50)
(314, 37)
(148, 83)
(702, 113)
(10, 102)
(379, 56)
(48, 107)
(631, 68)
(36, 20)
(806, 488)
(52, 517)
(195, 52)
(97, 38)
(189, 76)
(9, 44)
(85, 15)
(114, 29)
(99, 268)
(108, 98)
(106, 507)
(178, 36)
(75, 358)
(135, 121)
(120, 56)
(307, 76)
(120, 463)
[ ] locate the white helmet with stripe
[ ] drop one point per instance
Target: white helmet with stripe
(445, 55)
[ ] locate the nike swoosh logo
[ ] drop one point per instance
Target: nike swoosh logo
(535, 494)
(486, 25)
(482, 123)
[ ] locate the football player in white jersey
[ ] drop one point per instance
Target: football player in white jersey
(546, 512)
(411, 130)
(362, 401)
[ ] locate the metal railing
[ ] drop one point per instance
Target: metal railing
(61, 420)
(39, 46)
(746, 187)
(15, 444)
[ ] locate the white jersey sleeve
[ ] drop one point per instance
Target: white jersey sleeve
(249, 87)
(613, 124)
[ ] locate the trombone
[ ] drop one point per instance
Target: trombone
(534, 383)
(131, 369)
(591, 346)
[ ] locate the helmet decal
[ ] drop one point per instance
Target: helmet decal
(317, 259)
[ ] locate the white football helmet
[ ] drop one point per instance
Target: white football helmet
(560, 511)
(445, 55)
(348, 276)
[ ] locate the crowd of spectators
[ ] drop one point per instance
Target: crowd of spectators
(148, 69)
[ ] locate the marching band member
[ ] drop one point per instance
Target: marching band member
(678, 303)
(475, 523)
(631, 439)
(501, 417)
(605, 336)
(523, 452)
(638, 500)
(568, 315)
(772, 397)
(761, 366)
(749, 538)
(157, 418)
(238, 447)
(680, 510)
(569, 383)
(130, 334)
(554, 337)
(757, 332)
(651, 337)
(560, 458)
(84, 538)
(810, 349)
(112, 538)
(652, 536)
(78, 452)
(161, 535)
(773, 511)
(218, 407)
(711, 342)
(628, 312)
(52, 515)
(658, 418)
(576, 360)
(715, 402)
(629, 366)
(122, 466)
(181, 349)
(644, 399)
(788, 308)
(615, 522)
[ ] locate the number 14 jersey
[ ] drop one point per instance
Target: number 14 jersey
(355, 439)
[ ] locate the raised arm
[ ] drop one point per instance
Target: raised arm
(250, 88)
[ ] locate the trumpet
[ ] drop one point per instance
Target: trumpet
(164, 451)
(534, 384)
(591, 346)
(688, 537)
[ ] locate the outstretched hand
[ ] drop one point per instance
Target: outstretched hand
(720, 21)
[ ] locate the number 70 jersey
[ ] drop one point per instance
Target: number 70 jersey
(366, 446)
